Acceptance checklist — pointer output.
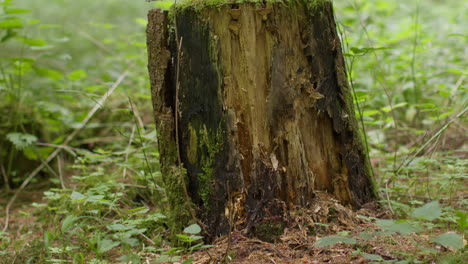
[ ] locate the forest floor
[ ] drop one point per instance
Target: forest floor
(351, 237)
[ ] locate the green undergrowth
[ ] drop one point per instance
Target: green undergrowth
(430, 220)
(410, 89)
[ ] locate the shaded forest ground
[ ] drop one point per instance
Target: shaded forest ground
(101, 200)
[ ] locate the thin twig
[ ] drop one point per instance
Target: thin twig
(137, 186)
(109, 139)
(231, 219)
(137, 115)
(127, 151)
(66, 141)
(71, 149)
(176, 110)
(46, 165)
(140, 137)
(388, 199)
(409, 159)
(60, 173)
(176, 99)
(148, 239)
(96, 42)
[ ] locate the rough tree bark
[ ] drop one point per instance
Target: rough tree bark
(263, 116)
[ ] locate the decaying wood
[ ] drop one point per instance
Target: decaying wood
(161, 66)
(266, 114)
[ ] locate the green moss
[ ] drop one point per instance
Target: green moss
(180, 208)
(313, 4)
(164, 5)
(193, 145)
(174, 183)
(211, 145)
(199, 4)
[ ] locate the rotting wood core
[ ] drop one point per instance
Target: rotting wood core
(266, 116)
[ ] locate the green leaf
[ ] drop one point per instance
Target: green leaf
(456, 71)
(107, 244)
(383, 233)
(135, 231)
(141, 21)
(370, 112)
(10, 33)
(425, 106)
(366, 236)
(77, 75)
(119, 227)
(130, 258)
(449, 240)
(32, 42)
(33, 21)
(21, 140)
(429, 211)
(188, 261)
(444, 115)
(462, 220)
(206, 246)
(387, 109)
(372, 256)
(330, 240)
(133, 242)
(192, 229)
(401, 226)
(166, 258)
(11, 23)
(75, 196)
(18, 59)
(35, 153)
(139, 210)
(182, 236)
(194, 238)
(68, 222)
(49, 73)
(17, 10)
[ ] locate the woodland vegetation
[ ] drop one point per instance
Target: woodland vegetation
(83, 175)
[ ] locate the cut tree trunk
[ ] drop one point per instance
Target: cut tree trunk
(253, 111)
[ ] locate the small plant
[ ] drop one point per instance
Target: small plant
(191, 241)
(423, 219)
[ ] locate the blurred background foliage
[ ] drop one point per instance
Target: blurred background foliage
(407, 63)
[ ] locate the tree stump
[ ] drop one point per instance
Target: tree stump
(253, 111)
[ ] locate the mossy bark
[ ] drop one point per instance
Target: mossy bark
(265, 114)
(161, 70)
